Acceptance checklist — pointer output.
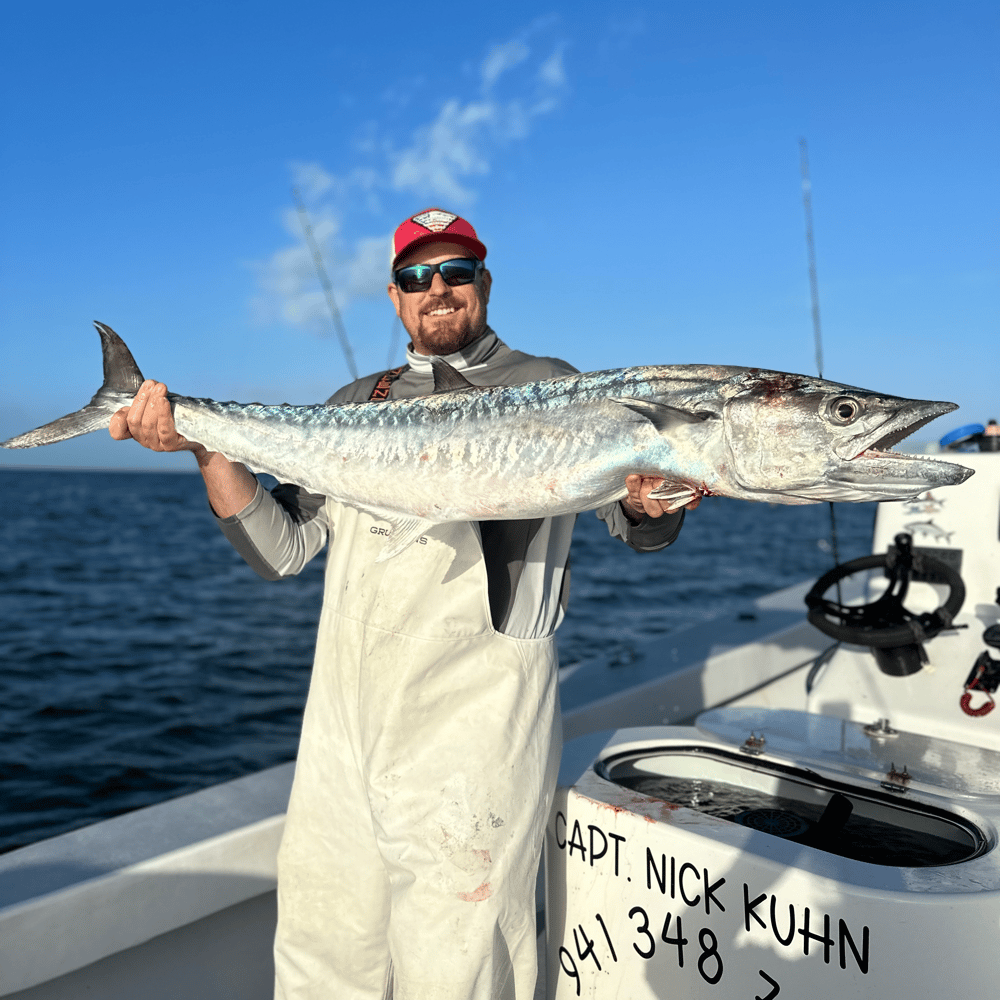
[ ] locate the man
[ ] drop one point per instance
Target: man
(430, 741)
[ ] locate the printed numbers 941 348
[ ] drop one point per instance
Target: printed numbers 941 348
(710, 965)
(585, 949)
(599, 950)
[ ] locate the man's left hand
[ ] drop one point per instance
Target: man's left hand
(638, 503)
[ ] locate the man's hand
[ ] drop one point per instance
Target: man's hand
(150, 421)
(639, 503)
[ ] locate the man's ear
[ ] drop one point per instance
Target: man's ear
(394, 295)
(487, 280)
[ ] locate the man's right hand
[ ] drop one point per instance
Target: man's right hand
(639, 503)
(150, 422)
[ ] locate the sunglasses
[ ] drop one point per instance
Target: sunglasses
(418, 277)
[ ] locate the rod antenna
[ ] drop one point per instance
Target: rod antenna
(811, 251)
(324, 280)
(817, 328)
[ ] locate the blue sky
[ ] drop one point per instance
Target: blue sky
(633, 170)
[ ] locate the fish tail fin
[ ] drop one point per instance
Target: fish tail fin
(122, 379)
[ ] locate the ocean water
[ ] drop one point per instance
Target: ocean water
(140, 658)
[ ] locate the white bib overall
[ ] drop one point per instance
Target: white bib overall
(425, 774)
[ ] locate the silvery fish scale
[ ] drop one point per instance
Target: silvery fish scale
(559, 446)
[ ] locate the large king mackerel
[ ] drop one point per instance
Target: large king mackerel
(560, 446)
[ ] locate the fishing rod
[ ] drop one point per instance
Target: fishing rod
(814, 295)
(811, 253)
(324, 280)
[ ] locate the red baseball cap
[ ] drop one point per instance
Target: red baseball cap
(434, 225)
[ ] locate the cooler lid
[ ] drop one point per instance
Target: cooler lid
(855, 750)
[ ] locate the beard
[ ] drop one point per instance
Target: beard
(447, 334)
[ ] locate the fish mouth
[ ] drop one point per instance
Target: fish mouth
(894, 476)
(883, 474)
(899, 426)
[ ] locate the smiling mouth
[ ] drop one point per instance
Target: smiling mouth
(442, 311)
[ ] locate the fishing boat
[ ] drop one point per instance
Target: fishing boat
(819, 816)
(755, 806)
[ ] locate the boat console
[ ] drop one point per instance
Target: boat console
(833, 832)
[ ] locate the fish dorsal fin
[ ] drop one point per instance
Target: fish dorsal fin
(121, 373)
(447, 378)
(661, 416)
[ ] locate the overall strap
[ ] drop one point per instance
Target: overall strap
(382, 386)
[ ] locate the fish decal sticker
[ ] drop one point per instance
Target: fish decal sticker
(929, 528)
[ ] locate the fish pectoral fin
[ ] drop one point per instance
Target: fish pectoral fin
(447, 378)
(677, 494)
(661, 416)
(405, 531)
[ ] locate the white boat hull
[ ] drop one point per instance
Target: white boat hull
(178, 899)
(648, 898)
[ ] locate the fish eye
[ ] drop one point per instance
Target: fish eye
(844, 410)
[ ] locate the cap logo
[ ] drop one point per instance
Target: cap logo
(435, 220)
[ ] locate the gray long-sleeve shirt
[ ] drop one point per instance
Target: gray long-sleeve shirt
(527, 561)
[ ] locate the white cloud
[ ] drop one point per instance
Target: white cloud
(323, 220)
(444, 151)
(439, 162)
(292, 292)
(552, 72)
(367, 271)
(311, 179)
(502, 58)
(462, 140)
